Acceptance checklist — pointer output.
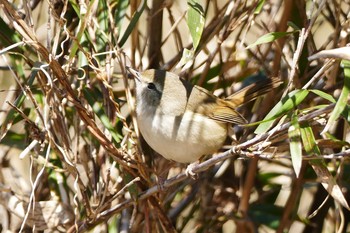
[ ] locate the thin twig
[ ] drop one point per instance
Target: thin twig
(236, 150)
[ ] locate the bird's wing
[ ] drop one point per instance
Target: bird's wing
(204, 102)
(253, 91)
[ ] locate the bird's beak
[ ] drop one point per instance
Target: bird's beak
(134, 73)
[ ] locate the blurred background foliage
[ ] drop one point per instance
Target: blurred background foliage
(70, 157)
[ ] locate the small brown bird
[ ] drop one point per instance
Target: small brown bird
(183, 122)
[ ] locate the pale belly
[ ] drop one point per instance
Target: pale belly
(186, 143)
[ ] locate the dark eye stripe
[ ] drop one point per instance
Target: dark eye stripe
(151, 86)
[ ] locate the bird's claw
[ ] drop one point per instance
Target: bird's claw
(189, 171)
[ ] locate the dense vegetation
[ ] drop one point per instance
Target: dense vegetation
(71, 158)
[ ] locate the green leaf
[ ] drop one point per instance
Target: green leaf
(293, 25)
(287, 103)
(122, 6)
(103, 29)
(8, 36)
(319, 165)
(186, 59)
(295, 145)
(309, 140)
(83, 17)
(346, 113)
(14, 140)
(135, 18)
(259, 7)
(342, 101)
(267, 214)
(323, 95)
(102, 17)
(18, 117)
(75, 6)
(12, 114)
(212, 73)
(269, 37)
(98, 109)
(266, 177)
(195, 21)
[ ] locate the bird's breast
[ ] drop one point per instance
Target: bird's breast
(184, 138)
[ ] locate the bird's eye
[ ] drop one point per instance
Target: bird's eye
(151, 86)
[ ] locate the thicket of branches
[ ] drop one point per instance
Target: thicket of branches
(71, 159)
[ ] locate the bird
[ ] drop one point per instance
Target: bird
(183, 122)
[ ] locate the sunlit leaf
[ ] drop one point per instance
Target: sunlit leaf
(186, 59)
(323, 95)
(288, 103)
(340, 53)
(295, 145)
(259, 7)
(319, 166)
(269, 37)
(309, 140)
(195, 21)
(342, 101)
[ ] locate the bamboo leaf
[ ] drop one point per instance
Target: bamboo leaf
(319, 166)
(340, 53)
(135, 18)
(309, 140)
(329, 182)
(84, 15)
(269, 37)
(287, 103)
(186, 59)
(295, 145)
(342, 101)
(293, 25)
(195, 21)
(122, 6)
(11, 115)
(98, 109)
(324, 95)
(259, 7)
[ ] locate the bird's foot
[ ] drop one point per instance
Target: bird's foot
(189, 170)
